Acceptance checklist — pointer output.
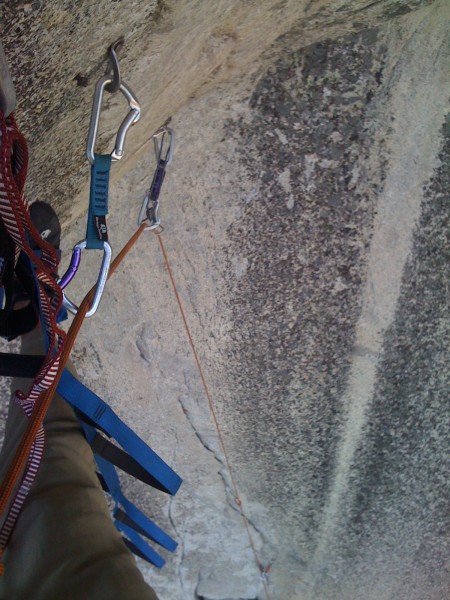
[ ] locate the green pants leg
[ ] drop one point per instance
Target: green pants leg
(64, 545)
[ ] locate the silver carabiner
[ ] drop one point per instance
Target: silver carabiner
(150, 206)
(101, 280)
(132, 117)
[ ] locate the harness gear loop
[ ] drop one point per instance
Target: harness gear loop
(164, 156)
(42, 261)
(132, 117)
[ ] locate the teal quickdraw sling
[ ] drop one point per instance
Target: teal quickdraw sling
(96, 229)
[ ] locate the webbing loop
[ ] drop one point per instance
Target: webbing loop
(96, 230)
(104, 417)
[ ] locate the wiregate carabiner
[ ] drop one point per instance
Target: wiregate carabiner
(7, 91)
(132, 117)
(150, 206)
(101, 280)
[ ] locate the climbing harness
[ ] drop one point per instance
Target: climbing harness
(27, 257)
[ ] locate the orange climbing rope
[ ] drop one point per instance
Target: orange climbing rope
(220, 436)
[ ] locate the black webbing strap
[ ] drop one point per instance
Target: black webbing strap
(18, 322)
(122, 516)
(123, 461)
(7, 260)
(20, 365)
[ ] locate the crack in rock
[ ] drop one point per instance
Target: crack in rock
(223, 473)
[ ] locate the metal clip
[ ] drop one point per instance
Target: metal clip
(7, 91)
(150, 206)
(101, 280)
(132, 117)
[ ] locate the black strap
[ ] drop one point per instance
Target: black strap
(122, 516)
(7, 259)
(20, 365)
(123, 460)
(18, 322)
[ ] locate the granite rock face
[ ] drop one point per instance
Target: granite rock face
(321, 355)
(174, 50)
(306, 221)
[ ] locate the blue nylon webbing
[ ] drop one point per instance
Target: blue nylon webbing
(142, 546)
(151, 530)
(96, 232)
(95, 409)
(74, 392)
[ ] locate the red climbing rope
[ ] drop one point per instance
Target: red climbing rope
(16, 220)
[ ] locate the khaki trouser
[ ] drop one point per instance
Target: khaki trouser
(64, 545)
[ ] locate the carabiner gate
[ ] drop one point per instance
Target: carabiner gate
(132, 117)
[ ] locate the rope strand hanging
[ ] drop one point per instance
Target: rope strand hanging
(213, 413)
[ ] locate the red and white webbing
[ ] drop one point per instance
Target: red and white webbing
(15, 216)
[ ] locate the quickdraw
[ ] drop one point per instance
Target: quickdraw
(164, 156)
(133, 455)
(96, 229)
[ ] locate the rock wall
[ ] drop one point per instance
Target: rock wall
(306, 220)
(175, 50)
